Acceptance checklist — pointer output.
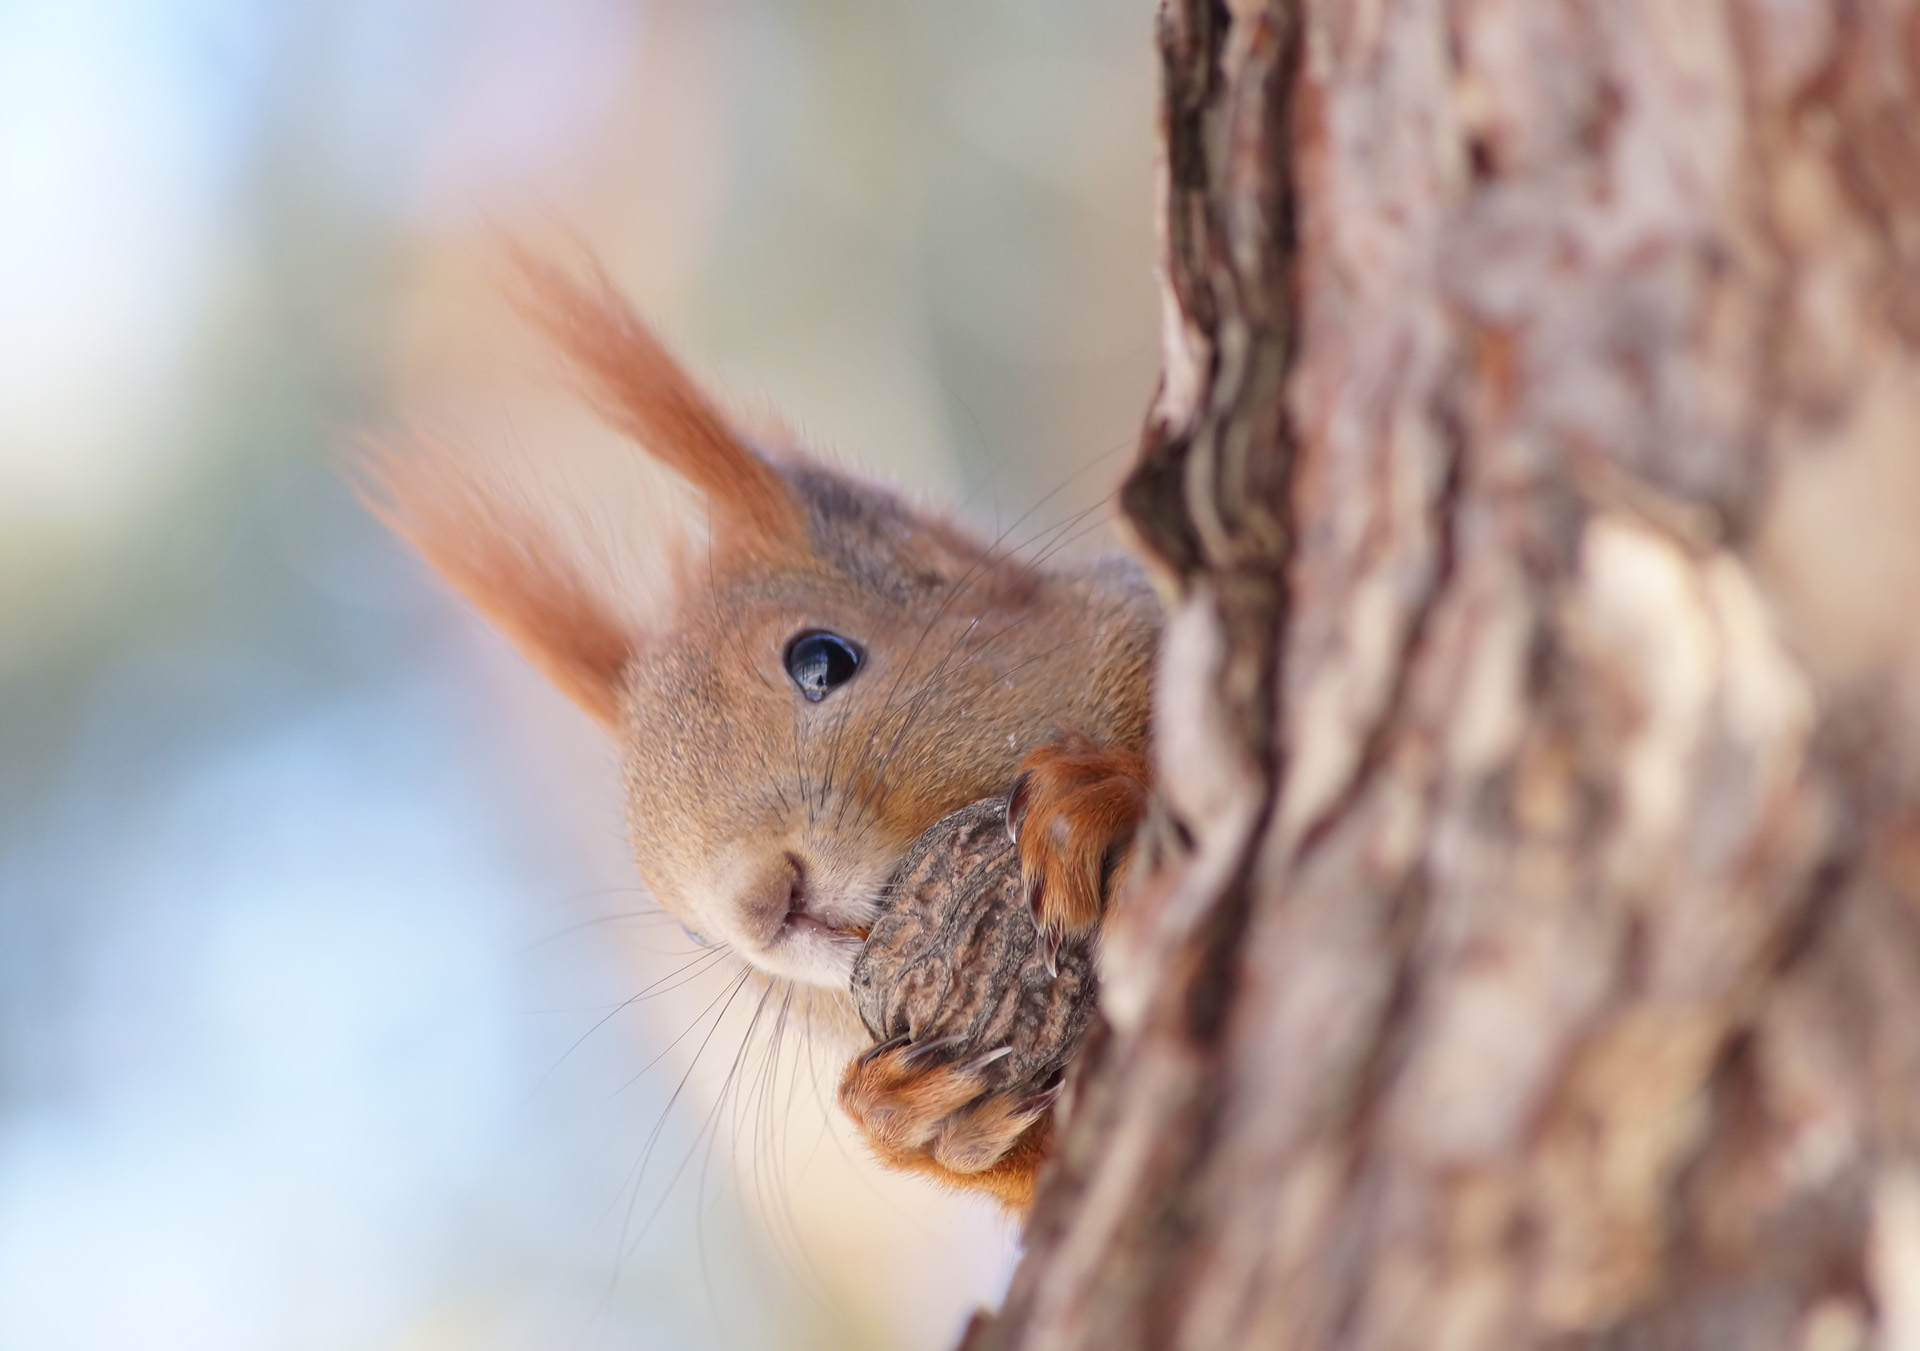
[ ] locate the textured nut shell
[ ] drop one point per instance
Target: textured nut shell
(956, 955)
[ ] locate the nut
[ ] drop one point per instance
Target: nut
(955, 956)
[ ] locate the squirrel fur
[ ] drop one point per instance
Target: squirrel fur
(761, 817)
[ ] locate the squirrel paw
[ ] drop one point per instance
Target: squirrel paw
(930, 1108)
(1072, 814)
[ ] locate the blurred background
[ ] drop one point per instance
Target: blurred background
(319, 948)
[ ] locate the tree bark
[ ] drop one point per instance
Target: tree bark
(1530, 951)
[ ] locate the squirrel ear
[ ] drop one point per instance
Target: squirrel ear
(486, 539)
(642, 391)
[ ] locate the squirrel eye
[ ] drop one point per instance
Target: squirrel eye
(820, 663)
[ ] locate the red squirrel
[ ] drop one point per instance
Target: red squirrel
(802, 672)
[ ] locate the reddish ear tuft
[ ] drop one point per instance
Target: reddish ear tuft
(489, 546)
(643, 392)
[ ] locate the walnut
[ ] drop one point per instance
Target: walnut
(956, 957)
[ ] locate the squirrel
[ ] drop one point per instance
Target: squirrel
(802, 672)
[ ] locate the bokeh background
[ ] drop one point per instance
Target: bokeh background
(318, 944)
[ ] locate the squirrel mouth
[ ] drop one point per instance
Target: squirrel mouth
(799, 922)
(802, 899)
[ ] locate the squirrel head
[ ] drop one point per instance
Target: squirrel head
(801, 671)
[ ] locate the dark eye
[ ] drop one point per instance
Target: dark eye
(821, 663)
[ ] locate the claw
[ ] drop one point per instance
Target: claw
(1036, 1103)
(1050, 939)
(891, 1044)
(980, 1062)
(1036, 892)
(926, 1050)
(1017, 806)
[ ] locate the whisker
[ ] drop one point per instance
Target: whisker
(739, 977)
(711, 1130)
(709, 958)
(628, 1238)
(732, 992)
(650, 917)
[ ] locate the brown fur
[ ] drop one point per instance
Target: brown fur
(504, 559)
(759, 819)
(641, 390)
(946, 1123)
(1073, 810)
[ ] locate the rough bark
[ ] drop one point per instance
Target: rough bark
(1531, 951)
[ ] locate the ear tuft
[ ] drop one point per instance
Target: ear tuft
(642, 391)
(490, 544)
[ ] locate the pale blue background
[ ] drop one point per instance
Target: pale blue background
(306, 886)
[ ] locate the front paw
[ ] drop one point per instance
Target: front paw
(975, 1027)
(941, 1103)
(1072, 814)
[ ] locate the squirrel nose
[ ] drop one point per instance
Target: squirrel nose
(796, 887)
(774, 898)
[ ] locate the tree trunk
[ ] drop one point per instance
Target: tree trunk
(1530, 952)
